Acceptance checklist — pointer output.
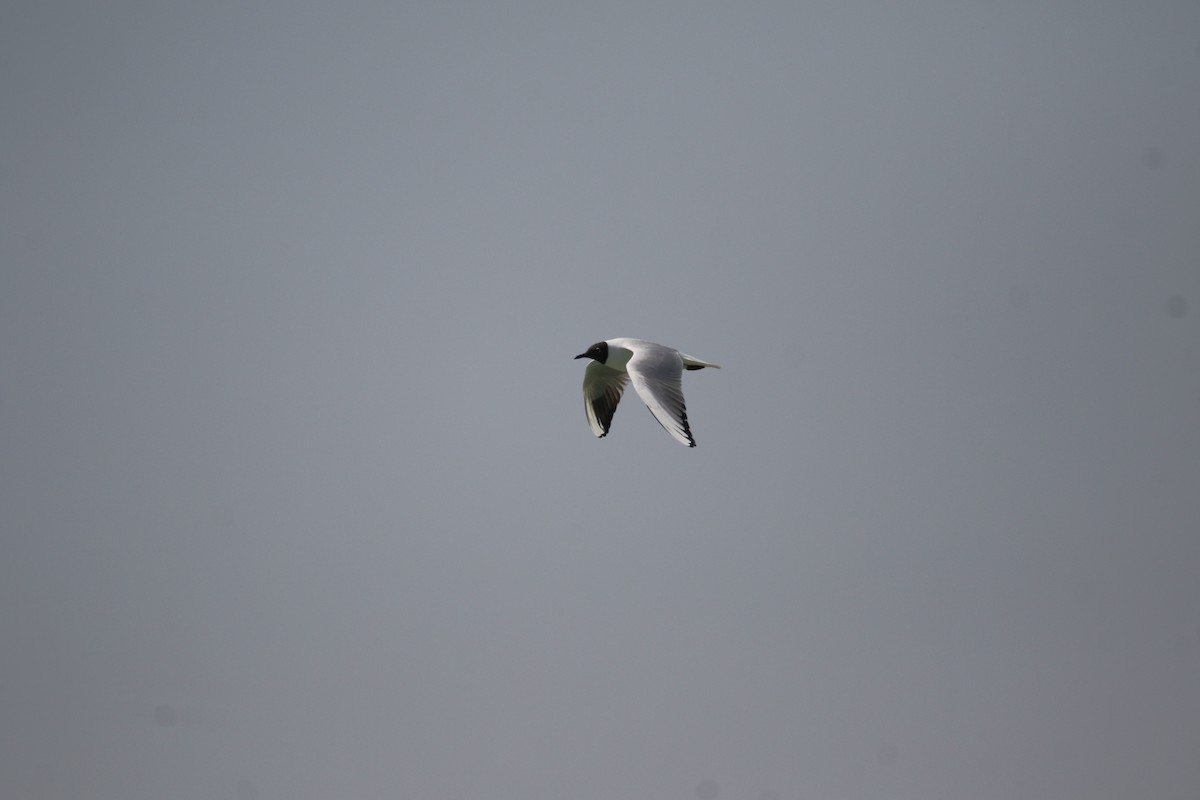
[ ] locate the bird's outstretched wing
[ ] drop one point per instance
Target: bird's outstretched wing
(659, 383)
(602, 388)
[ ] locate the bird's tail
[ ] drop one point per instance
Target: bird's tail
(690, 362)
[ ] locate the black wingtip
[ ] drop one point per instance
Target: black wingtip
(687, 429)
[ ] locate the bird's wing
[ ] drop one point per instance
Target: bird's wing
(602, 388)
(658, 382)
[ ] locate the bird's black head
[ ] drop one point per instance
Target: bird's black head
(597, 352)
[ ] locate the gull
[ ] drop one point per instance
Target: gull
(655, 370)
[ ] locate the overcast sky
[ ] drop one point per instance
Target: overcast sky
(297, 495)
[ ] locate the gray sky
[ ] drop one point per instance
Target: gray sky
(297, 494)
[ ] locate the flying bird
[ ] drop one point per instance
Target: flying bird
(655, 370)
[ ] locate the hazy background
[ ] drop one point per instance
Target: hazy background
(297, 493)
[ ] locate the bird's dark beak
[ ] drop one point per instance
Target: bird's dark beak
(582, 355)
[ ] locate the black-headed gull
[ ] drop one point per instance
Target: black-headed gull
(655, 370)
